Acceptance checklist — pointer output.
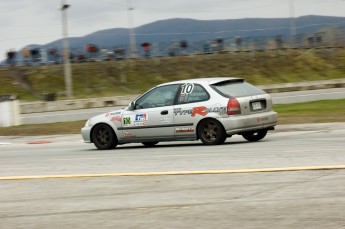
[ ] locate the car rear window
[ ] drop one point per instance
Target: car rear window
(236, 89)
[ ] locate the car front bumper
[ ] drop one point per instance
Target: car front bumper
(86, 134)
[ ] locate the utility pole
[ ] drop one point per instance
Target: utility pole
(292, 21)
(67, 64)
(132, 40)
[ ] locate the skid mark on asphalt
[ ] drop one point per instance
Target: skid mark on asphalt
(171, 173)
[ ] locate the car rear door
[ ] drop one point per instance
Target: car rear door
(191, 106)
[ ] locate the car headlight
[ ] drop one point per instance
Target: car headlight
(87, 122)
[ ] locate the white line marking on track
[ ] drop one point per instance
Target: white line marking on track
(5, 143)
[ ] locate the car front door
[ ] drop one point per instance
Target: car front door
(153, 115)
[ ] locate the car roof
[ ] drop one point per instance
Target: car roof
(209, 81)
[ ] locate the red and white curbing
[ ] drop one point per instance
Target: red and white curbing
(31, 142)
(40, 142)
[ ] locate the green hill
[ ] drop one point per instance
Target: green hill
(166, 31)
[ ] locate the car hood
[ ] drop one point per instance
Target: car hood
(106, 117)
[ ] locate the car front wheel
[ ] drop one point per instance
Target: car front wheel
(254, 136)
(103, 137)
(211, 132)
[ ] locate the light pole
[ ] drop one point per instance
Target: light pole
(292, 21)
(132, 40)
(67, 64)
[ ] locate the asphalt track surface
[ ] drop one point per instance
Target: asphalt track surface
(294, 178)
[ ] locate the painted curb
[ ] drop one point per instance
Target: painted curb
(40, 142)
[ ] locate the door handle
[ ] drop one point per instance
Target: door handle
(164, 112)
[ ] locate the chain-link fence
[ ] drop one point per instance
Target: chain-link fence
(327, 38)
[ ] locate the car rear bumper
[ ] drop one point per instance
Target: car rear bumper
(86, 134)
(244, 123)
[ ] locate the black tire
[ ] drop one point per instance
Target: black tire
(149, 144)
(103, 137)
(254, 136)
(211, 132)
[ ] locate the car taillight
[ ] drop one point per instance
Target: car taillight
(233, 107)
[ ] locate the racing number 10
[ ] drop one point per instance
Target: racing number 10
(187, 88)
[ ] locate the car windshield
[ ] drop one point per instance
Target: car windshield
(236, 89)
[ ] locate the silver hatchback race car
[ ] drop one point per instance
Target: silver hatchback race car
(209, 109)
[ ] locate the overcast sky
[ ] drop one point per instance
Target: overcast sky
(25, 22)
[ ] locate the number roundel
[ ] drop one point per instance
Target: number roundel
(187, 88)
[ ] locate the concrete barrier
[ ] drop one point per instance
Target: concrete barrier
(75, 104)
(304, 86)
(9, 111)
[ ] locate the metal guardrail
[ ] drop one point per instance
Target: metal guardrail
(75, 104)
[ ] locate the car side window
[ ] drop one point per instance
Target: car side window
(158, 97)
(191, 93)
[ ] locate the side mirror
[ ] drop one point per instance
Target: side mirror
(131, 106)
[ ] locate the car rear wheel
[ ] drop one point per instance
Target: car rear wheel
(254, 135)
(103, 137)
(149, 144)
(211, 132)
